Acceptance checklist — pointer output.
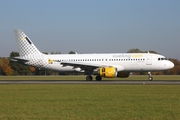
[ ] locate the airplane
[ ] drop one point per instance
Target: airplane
(106, 65)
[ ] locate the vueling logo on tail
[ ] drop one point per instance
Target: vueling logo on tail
(50, 61)
(23, 39)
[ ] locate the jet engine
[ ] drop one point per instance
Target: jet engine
(109, 72)
(123, 74)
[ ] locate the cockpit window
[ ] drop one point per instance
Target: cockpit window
(162, 58)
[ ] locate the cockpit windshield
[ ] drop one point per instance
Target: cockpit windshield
(162, 58)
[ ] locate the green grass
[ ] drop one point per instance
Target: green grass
(90, 102)
(83, 77)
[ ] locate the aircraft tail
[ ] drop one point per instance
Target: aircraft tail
(25, 45)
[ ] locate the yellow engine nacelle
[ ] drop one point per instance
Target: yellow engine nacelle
(123, 74)
(109, 72)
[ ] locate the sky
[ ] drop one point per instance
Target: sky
(92, 26)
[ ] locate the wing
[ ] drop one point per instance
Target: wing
(89, 66)
(82, 65)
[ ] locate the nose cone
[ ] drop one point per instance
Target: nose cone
(170, 65)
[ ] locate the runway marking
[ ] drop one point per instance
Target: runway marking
(140, 82)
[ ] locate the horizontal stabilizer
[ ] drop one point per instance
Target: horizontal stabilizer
(19, 60)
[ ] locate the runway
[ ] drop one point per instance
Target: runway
(128, 82)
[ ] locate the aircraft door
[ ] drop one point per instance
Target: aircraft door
(149, 60)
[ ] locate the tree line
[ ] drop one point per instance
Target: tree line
(8, 67)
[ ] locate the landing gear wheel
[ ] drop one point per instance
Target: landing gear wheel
(89, 78)
(150, 76)
(98, 78)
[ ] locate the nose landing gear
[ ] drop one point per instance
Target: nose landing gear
(150, 76)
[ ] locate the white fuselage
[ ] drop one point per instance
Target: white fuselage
(122, 61)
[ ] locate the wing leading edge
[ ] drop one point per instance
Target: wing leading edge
(89, 66)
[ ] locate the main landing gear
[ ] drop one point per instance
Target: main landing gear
(150, 76)
(98, 78)
(89, 78)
